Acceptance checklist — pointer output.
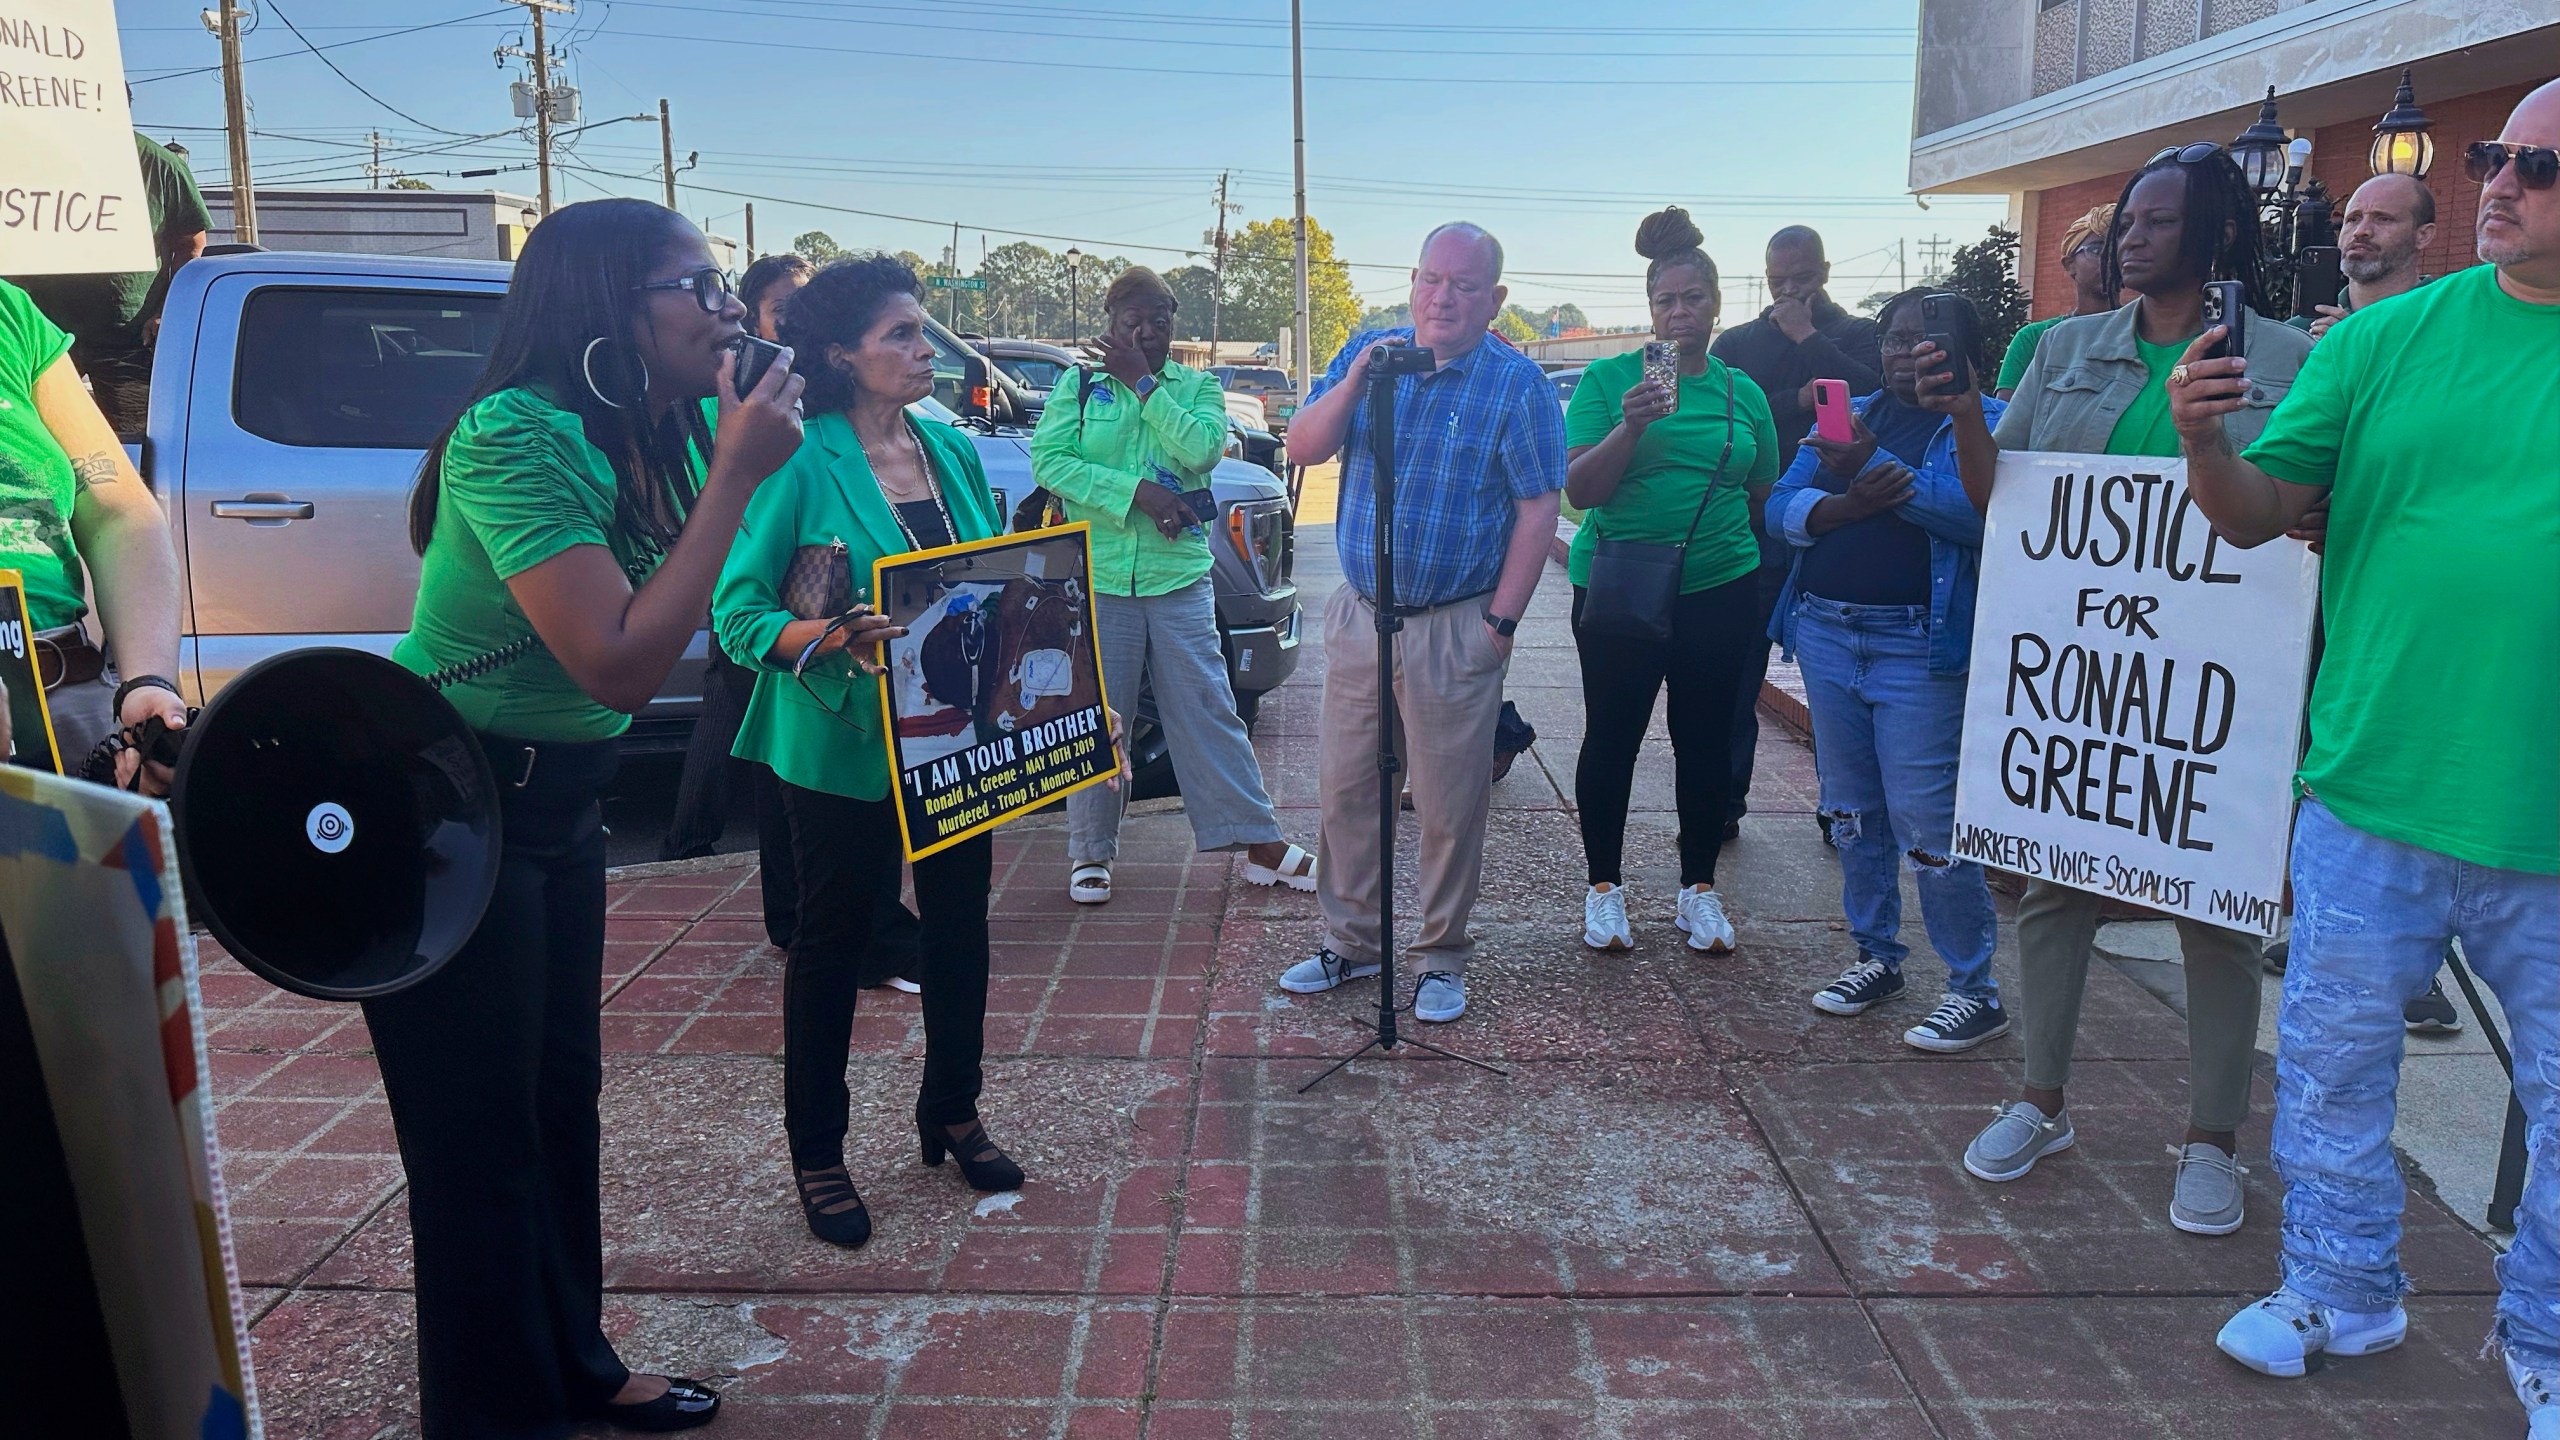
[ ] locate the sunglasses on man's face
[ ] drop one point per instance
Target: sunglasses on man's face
(710, 286)
(2537, 166)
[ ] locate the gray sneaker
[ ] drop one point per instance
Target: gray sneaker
(1440, 997)
(1323, 971)
(2207, 1200)
(2011, 1145)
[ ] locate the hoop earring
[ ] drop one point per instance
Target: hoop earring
(587, 364)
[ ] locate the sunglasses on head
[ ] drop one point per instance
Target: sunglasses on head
(2537, 166)
(2195, 154)
(710, 286)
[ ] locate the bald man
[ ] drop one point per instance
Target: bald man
(2388, 221)
(1802, 337)
(2430, 804)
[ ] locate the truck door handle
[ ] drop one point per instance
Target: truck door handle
(270, 508)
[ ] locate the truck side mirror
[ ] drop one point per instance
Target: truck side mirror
(977, 398)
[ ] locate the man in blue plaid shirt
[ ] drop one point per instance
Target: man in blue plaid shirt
(1479, 461)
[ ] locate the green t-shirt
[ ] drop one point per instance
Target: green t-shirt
(2022, 348)
(519, 485)
(1658, 495)
(2144, 428)
(110, 310)
(36, 484)
(2434, 417)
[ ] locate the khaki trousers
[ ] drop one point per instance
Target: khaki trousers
(2058, 925)
(1448, 679)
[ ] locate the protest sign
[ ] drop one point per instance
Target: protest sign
(994, 694)
(71, 196)
(31, 738)
(121, 1266)
(2134, 712)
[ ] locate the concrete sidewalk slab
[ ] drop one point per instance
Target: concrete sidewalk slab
(1695, 1208)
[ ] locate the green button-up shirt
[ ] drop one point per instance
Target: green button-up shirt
(1093, 452)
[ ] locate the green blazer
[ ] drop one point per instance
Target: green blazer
(824, 493)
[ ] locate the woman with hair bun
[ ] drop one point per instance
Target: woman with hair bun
(875, 479)
(1676, 452)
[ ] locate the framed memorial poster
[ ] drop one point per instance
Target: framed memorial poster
(994, 694)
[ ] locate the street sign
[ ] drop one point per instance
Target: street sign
(955, 282)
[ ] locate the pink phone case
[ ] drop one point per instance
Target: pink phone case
(1831, 411)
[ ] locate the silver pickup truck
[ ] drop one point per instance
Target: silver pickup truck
(294, 394)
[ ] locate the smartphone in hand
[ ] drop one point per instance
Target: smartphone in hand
(1662, 365)
(2317, 280)
(1831, 418)
(2226, 303)
(1938, 326)
(752, 358)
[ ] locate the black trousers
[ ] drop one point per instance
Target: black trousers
(847, 853)
(493, 1066)
(1770, 581)
(1712, 638)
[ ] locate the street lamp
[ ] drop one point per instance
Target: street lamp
(2401, 145)
(2260, 149)
(1075, 310)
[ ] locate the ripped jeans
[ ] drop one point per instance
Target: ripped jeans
(2371, 918)
(1885, 736)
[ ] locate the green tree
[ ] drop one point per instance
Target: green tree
(1195, 297)
(816, 246)
(1387, 317)
(1512, 327)
(1262, 294)
(405, 182)
(1986, 272)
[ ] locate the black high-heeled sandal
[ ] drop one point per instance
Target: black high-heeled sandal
(686, 1404)
(981, 1163)
(833, 1208)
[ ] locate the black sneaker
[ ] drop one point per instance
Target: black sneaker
(1959, 1023)
(1860, 988)
(2431, 1013)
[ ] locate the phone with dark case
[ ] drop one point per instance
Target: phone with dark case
(1939, 327)
(754, 357)
(2226, 303)
(2317, 280)
(1202, 503)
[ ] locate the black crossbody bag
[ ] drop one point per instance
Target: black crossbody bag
(1635, 584)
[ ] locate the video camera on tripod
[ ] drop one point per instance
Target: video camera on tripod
(1400, 357)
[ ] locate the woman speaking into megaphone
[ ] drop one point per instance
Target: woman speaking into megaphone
(570, 525)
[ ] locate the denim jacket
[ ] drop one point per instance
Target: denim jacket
(2088, 369)
(1938, 505)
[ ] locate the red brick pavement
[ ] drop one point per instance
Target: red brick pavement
(1694, 1208)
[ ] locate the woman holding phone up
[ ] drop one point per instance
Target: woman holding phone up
(2099, 384)
(570, 526)
(871, 480)
(1668, 447)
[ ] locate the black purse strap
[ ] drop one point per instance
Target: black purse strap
(1716, 476)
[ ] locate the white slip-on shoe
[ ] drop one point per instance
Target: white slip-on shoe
(1604, 918)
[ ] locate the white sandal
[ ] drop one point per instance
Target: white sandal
(1297, 870)
(1089, 884)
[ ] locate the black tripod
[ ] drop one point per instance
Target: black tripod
(1386, 363)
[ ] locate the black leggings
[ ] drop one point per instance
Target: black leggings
(493, 1066)
(846, 854)
(1712, 632)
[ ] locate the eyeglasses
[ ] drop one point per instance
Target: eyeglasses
(2537, 166)
(710, 286)
(2195, 154)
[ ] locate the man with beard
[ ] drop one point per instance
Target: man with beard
(2389, 220)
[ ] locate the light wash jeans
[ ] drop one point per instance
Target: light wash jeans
(1172, 641)
(1886, 732)
(2371, 918)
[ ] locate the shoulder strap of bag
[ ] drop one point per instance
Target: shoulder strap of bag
(1716, 477)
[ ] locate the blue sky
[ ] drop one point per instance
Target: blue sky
(1107, 122)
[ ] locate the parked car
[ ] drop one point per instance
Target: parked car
(295, 394)
(1564, 381)
(1034, 366)
(1267, 384)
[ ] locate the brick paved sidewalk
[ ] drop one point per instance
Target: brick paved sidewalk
(1695, 1207)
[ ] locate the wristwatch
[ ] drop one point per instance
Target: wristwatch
(140, 682)
(1502, 626)
(1145, 387)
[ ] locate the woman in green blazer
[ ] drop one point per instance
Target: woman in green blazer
(882, 482)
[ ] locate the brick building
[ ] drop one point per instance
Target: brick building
(2056, 102)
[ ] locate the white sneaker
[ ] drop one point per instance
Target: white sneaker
(1701, 918)
(2539, 1389)
(2278, 1334)
(1604, 919)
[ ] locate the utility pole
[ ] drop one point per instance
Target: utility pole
(667, 150)
(1300, 340)
(235, 120)
(1931, 250)
(751, 232)
(543, 98)
(1218, 269)
(954, 266)
(1902, 262)
(373, 169)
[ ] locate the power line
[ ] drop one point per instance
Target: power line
(350, 79)
(1154, 19)
(316, 49)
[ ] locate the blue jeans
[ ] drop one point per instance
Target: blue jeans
(2371, 918)
(1886, 733)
